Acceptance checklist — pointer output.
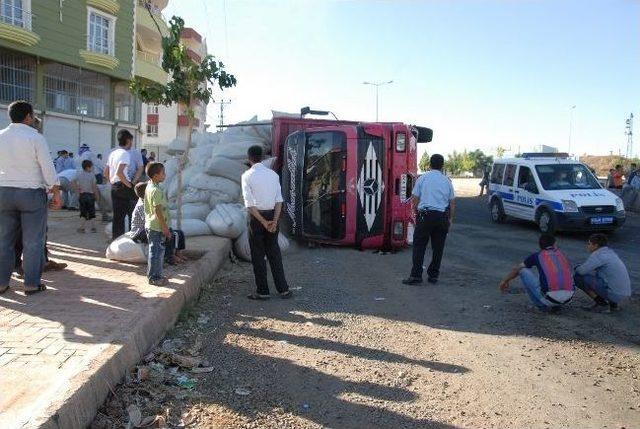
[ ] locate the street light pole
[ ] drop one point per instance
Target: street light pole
(571, 125)
(377, 85)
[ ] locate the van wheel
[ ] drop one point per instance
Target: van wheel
(497, 211)
(546, 222)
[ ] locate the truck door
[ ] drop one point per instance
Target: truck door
(292, 168)
(508, 190)
(525, 193)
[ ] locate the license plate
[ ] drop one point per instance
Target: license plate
(403, 187)
(601, 220)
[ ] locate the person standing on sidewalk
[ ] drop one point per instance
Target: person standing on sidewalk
(434, 199)
(116, 172)
(263, 199)
(26, 173)
(156, 215)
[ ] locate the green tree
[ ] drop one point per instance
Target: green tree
(189, 84)
(500, 151)
(423, 164)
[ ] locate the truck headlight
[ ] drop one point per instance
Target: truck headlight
(398, 230)
(619, 205)
(401, 142)
(570, 206)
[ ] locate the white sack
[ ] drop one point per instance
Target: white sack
(227, 220)
(105, 197)
(178, 146)
(187, 174)
(225, 167)
(206, 139)
(194, 195)
(126, 250)
(216, 184)
(191, 227)
(192, 211)
(170, 170)
(220, 198)
(200, 155)
(237, 148)
(243, 251)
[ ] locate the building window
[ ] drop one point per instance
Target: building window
(79, 92)
(17, 77)
(16, 12)
(101, 31)
(152, 109)
(152, 130)
(125, 104)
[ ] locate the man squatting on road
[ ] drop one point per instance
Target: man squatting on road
(263, 199)
(434, 199)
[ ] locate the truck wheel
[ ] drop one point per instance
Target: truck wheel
(546, 222)
(497, 211)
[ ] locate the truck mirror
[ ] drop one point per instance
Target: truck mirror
(425, 135)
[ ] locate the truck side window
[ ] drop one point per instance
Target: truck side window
(497, 173)
(509, 175)
(524, 177)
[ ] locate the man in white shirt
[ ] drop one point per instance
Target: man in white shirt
(68, 192)
(26, 174)
(263, 199)
(116, 173)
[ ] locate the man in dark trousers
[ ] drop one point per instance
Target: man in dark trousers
(116, 173)
(434, 199)
(263, 199)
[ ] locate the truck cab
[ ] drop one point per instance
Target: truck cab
(348, 183)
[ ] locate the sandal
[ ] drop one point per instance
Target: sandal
(40, 288)
(4, 289)
(258, 297)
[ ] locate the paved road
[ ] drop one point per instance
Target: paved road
(356, 349)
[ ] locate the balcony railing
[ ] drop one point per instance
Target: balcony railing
(150, 58)
(13, 15)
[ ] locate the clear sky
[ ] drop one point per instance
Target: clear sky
(482, 74)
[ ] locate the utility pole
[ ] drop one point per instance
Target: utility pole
(377, 85)
(222, 104)
(570, 126)
(629, 133)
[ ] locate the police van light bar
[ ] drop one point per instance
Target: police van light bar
(546, 155)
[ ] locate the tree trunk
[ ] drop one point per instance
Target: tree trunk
(181, 163)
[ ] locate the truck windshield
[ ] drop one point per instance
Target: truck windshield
(554, 177)
(324, 184)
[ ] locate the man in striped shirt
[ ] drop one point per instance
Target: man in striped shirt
(553, 286)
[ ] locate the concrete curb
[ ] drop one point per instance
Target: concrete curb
(84, 395)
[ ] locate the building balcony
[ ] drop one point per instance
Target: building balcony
(148, 67)
(150, 21)
(190, 33)
(16, 25)
(183, 121)
(193, 55)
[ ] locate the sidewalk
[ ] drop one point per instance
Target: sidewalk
(62, 350)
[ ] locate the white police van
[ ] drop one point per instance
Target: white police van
(554, 191)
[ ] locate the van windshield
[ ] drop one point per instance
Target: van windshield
(554, 177)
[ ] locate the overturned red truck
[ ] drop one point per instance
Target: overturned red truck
(346, 183)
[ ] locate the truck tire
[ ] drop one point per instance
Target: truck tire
(497, 211)
(546, 222)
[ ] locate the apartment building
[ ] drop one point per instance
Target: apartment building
(72, 59)
(162, 124)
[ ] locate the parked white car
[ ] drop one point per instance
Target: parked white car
(553, 191)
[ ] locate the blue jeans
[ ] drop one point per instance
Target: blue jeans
(531, 283)
(156, 254)
(591, 283)
(26, 210)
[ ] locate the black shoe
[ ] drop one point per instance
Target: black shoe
(432, 280)
(286, 295)
(412, 281)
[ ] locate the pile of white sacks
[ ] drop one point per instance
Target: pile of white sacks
(211, 194)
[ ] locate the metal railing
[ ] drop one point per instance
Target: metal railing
(149, 57)
(17, 77)
(14, 15)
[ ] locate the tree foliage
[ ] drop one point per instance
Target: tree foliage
(500, 151)
(423, 164)
(475, 162)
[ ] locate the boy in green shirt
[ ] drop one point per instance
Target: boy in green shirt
(156, 214)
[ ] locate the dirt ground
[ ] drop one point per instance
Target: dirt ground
(356, 349)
